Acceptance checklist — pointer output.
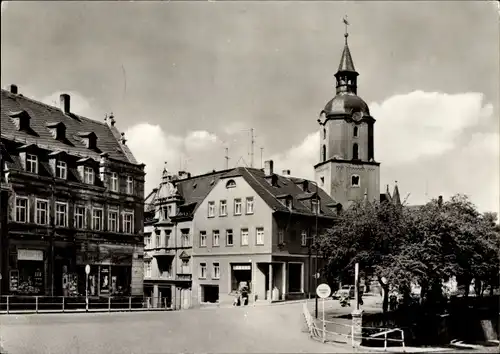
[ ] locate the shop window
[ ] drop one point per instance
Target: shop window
(30, 272)
(120, 280)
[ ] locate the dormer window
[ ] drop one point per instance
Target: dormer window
(230, 184)
(315, 206)
(289, 203)
(89, 139)
(31, 163)
(58, 130)
(61, 169)
(355, 181)
(114, 182)
(88, 175)
(21, 119)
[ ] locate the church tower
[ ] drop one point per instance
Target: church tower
(347, 169)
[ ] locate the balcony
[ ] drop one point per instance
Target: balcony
(184, 276)
(161, 252)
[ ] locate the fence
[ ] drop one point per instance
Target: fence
(50, 304)
(348, 334)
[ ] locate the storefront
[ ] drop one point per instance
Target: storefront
(27, 275)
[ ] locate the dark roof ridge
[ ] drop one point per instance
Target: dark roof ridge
(50, 106)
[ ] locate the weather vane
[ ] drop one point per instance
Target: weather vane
(346, 23)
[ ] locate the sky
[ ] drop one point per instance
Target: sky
(185, 80)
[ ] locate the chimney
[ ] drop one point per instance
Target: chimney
(64, 102)
(184, 175)
(268, 167)
(286, 173)
(13, 89)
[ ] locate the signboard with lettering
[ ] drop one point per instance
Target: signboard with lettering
(14, 279)
(104, 285)
(29, 255)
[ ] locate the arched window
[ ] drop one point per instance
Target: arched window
(323, 153)
(230, 184)
(324, 133)
(355, 133)
(355, 155)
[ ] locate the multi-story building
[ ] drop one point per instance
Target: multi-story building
(256, 226)
(168, 236)
(75, 198)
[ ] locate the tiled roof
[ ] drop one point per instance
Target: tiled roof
(285, 185)
(42, 115)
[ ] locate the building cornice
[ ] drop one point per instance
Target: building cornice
(348, 162)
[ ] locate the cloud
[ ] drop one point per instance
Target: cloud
(419, 142)
(78, 104)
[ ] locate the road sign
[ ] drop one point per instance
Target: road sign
(323, 290)
(87, 269)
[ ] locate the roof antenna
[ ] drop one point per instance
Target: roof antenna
(227, 158)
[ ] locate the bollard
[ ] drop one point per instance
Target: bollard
(385, 341)
(7, 304)
(130, 303)
(109, 304)
(63, 304)
(36, 304)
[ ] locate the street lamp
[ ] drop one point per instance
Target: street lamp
(316, 212)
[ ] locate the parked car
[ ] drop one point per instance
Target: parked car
(346, 290)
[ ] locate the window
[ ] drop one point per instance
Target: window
(114, 182)
(323, 153)
(244, 237)
(203, 270)
(61, 214)
(80, 217)
(281, 237)
(169, 211)
(130, 185)
(185, 238)
(42, 212)
(147, 269)
(22, 209)
(237, 206)
(203, 239)
(355, 181)
(31, 163)
(230, 184)
(97, 219)
(185, 266)
(322, 181)
(157, 238)
(229, 237)
(355, 152)
(113, 220)
(167, 237)
(147, 240)
(249, 209)
(216, 238)
(88, 175)
(216, 271)
(303, 238)
(259, 235)
(223, 208)
(61, 169)
(211, 209)
(355, 132)
(314, 205)
(128, 223)
(324, 133)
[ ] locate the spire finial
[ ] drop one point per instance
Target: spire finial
(346, 23)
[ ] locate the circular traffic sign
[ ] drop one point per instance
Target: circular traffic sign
(87, 269)
(323, 290)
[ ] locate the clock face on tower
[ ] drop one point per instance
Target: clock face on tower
(357, 116)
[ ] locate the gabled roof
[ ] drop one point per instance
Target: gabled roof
(42, 114)
(285, 185)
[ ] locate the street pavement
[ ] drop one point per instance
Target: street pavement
(260, 329)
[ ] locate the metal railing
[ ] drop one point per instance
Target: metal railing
(54, 304)
(381, 334)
